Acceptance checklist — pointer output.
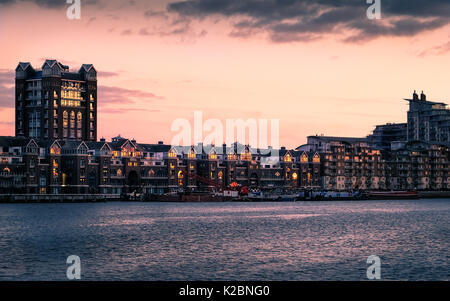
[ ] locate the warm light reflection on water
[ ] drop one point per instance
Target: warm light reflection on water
(226, 241)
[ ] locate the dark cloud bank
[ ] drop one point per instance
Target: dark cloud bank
(304, 20)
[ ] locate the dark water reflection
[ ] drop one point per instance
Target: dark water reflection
(226, 241)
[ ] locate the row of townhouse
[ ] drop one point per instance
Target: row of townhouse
(124, 166)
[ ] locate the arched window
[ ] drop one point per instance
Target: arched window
(119, 172)
(180, 178)
(79, 119)
(65, 119)
(287, 158)
(151, 173)
(6, 170)
(220, 175)
(72, 119)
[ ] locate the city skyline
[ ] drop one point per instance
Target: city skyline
(185, 64)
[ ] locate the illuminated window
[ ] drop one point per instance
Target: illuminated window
(304, 158)
(287, 158)
(213, 156)
(172, 154)
(55, 172)
(232, 157)
(65, 119)
(79, 119)
(119, 172)
(220, 175)
(294, 176)
(55, 151)
(316, 159)
(72, 119)
(172, 166)
(277, 174)
(246, 156)
(191, 154)
(7, 170)
(191, 166)
(151, 173)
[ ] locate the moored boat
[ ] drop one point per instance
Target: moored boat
(393, 194)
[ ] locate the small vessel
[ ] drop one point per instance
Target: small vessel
(393, 195)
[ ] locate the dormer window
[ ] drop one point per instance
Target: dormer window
(304, 158)
(172, 154)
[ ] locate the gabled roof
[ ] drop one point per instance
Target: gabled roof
(49, 143)
(87, 67)
(97, 145)
(74, 144)
(33, 142)
(23, 66)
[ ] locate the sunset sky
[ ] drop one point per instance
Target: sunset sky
(318, 66)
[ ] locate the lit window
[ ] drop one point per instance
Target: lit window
(287, 158)
(304, 158)
(191, 154)
(294, 176)
(232, 157)
(246, 156)
(213, 156)
(172, 154)
(316, 159)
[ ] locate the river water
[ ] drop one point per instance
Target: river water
(227, 241)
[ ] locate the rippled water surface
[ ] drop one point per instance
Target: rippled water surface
(226, 241)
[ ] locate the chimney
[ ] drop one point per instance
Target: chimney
(415, 96)
(102, 139)
(160, 142)
(423, 97)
